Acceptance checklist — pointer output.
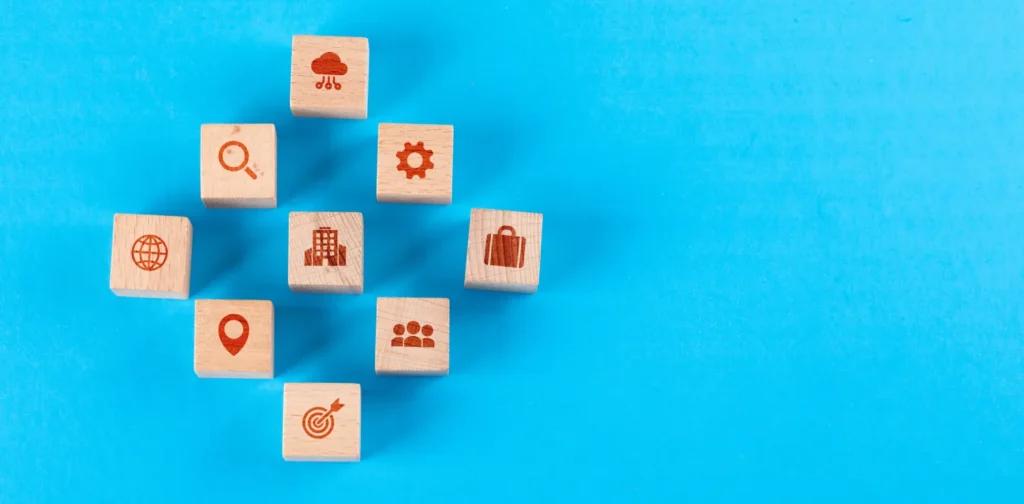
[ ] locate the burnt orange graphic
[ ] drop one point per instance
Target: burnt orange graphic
(325, 249)
(224, 149)
(329, 65)
(506, 250)
(412, 340)
(149, 252)
(425, 163)
(233, 345)
(319, 422)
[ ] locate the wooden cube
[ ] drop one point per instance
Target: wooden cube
(330, 76)
(412, 336)
(321, 422)
(414, 163)
(504, 250)
(151, 256)
(234, 339)
(325, 252)
(238, 165)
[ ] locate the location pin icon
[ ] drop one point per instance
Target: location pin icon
(233, 345)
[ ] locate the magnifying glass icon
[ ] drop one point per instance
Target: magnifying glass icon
(245, 158)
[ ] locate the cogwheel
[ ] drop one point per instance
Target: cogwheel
(403, 160)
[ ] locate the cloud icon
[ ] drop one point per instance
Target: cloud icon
(329, 64)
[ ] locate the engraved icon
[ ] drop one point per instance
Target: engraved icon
(329, 65)
(149, 252)
(233, 345)
(226, 149)
(325, 249)
(412, 340)
(318, 422)
(505, 249)
(424, 160)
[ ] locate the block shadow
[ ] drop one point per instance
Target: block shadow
(483, 328)
(388, 412)
(389, 402)
(582, 246)
(310, 164)
(488, 150)
(218, 245)
(299, 332)
(399, 45)
(424, 249)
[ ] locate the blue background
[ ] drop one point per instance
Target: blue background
(782, 251)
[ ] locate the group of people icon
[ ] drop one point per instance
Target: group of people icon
(413, 328)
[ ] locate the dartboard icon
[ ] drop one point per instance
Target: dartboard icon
(318, 422)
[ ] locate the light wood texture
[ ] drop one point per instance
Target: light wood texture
(497, 260)
(238, 165)
(412, 336)
(407, 151)
(321, 276)
(151, 256)
(313, 430)
(234, 339)
(353, 58)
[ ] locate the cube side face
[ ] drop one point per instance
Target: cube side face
(234, 339)
(325, 252)
(238, 165)
(501, 286)
(330, 76)
(412, 336)
(151, 256)
(321, 422)
(504, 251)
(415, 163)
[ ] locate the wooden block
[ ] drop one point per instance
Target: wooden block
(414, 163)
(238, 165)
(321, 422)
(504, 250)
(151, 256)
(234, 339)
(325, 252)
(330, 76)
(412, 336)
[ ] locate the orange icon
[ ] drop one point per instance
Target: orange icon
(233, 345)
(325, 249)
(149, 252)
(507, 250)
(425, 163)
(245, 158)
(329, 65)
(319, 422)
(412, 340)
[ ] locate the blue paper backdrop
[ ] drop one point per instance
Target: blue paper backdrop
(782, 251)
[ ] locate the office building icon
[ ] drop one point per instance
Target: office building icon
(325, 251)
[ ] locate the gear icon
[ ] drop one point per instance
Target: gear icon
(425, 164)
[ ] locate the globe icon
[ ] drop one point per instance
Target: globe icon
(149, 252)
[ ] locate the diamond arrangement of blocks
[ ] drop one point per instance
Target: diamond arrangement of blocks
(151, 255)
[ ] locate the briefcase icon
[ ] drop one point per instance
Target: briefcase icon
(506, 250)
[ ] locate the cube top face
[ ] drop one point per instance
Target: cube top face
(321, 422)
(414, 163)
(504, 250)
(330, 76)
(325, 252)
(151, 256)
(234, 339)
(412, 336)
(238, 165)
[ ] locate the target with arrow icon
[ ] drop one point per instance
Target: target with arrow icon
(318, 422)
